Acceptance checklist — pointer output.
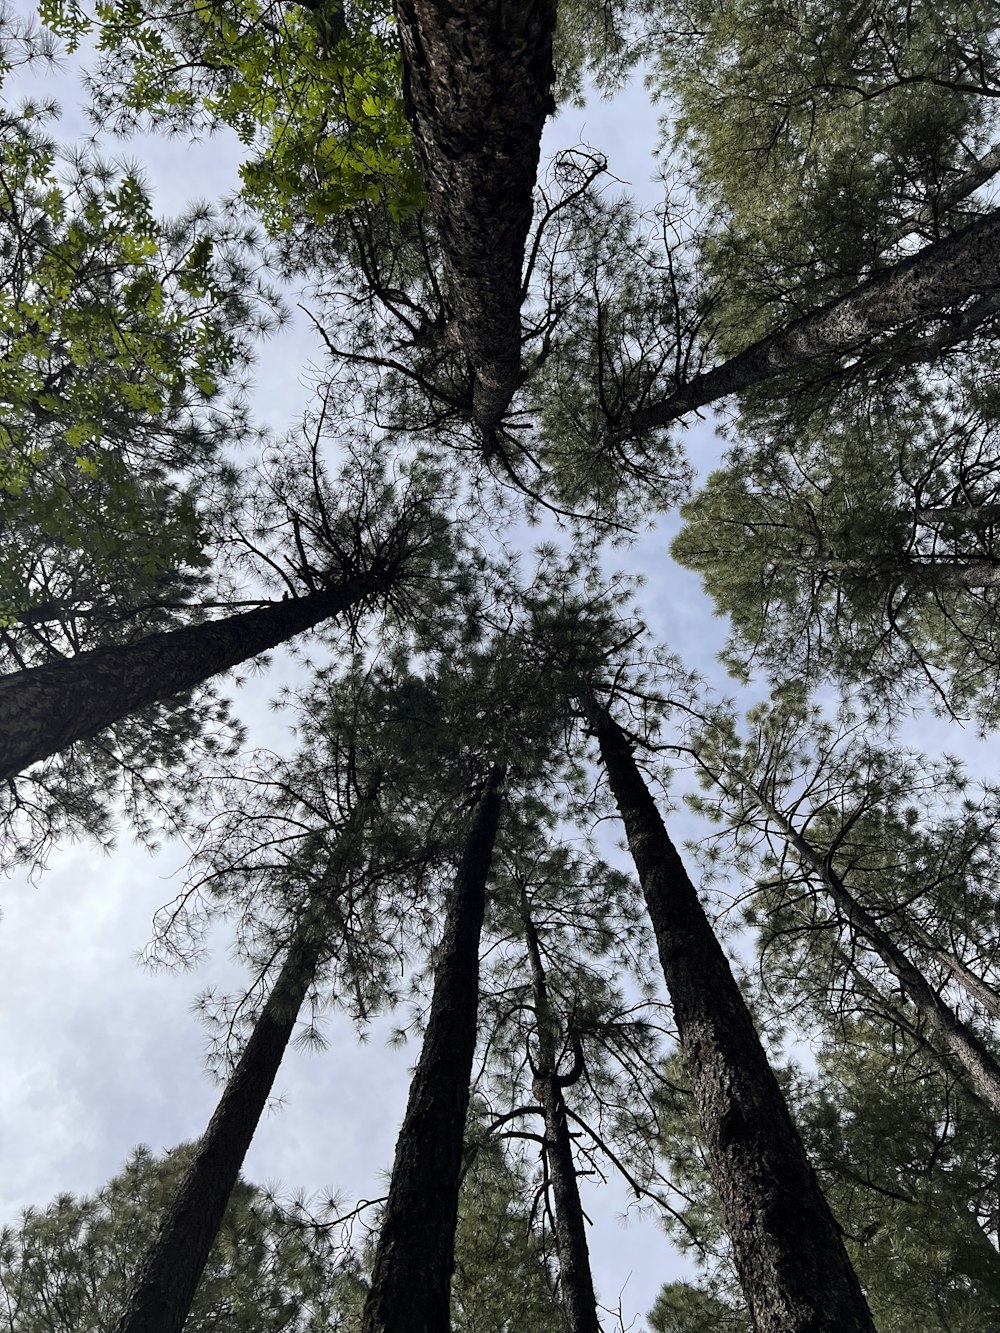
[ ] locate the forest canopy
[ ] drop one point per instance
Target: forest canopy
(446, 444)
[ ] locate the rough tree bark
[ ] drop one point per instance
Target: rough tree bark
(411, 1276)
(942, 277)
(576, 1283)
(165, 1284)
(45, 709)
(787, 1248)
(477, 80)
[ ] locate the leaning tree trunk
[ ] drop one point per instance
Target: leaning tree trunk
(964, 1044)
(973, 985)
(411, 1276)
(164, 1287)
(942, 277)
(46, 708)
(787, 1248)
(576, 1283)
(477, 81)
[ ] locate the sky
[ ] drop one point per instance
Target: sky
(98, 1054)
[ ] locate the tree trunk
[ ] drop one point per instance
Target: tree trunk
(411, 1277)
(46, 708)
(972, 1053)
(935, 573)
(787, 1248)
(941, 277)
(942, 573)
(477, 78)
(981, 170)
(966, 516)
(576, 1283)
(165, 1284)
(972, 984)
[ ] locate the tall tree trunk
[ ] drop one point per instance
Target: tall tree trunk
(576, 1283)
(787, 1248)
(411, 1277)
(971, 1052)
(46, 708)
(937, 572)
(477, 81)
(939, 278)
(972, 984)
(933, 573)
(981, 170)
(164, 1287)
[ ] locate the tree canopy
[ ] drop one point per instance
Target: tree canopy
(737, 954)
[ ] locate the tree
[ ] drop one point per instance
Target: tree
(47, 708)
(576, 1284)
(824, 143)
(863, 553)
(336, 551)
(571, 1034)
(478, 152)
(313, 90)
(899, 1148)
(787, 1248)
(161, 1292)
(948, 286)
(64, 1269)
(123, 337)
(502, 1279)
(844, 811)
(413, 1262)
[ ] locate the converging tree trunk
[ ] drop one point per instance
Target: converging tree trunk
(411, 1275)
(164, 1287)
(787, 1248)
(477, 80)
(972, 984)
(576, 1283)
(46, 708)
(943, 276)
(971, 1052)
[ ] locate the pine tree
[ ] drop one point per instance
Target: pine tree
(787, 1247)
(903, 1154)
(843, 814)
(411, 1273)
(65, 1267)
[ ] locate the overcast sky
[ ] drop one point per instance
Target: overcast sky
(96, 1054)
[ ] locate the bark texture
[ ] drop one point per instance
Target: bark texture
(47, 708)
(576, 1283)
(411, 1276)
(787, 1248)
(477, 80)
(942, 277)
(165, 1284)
